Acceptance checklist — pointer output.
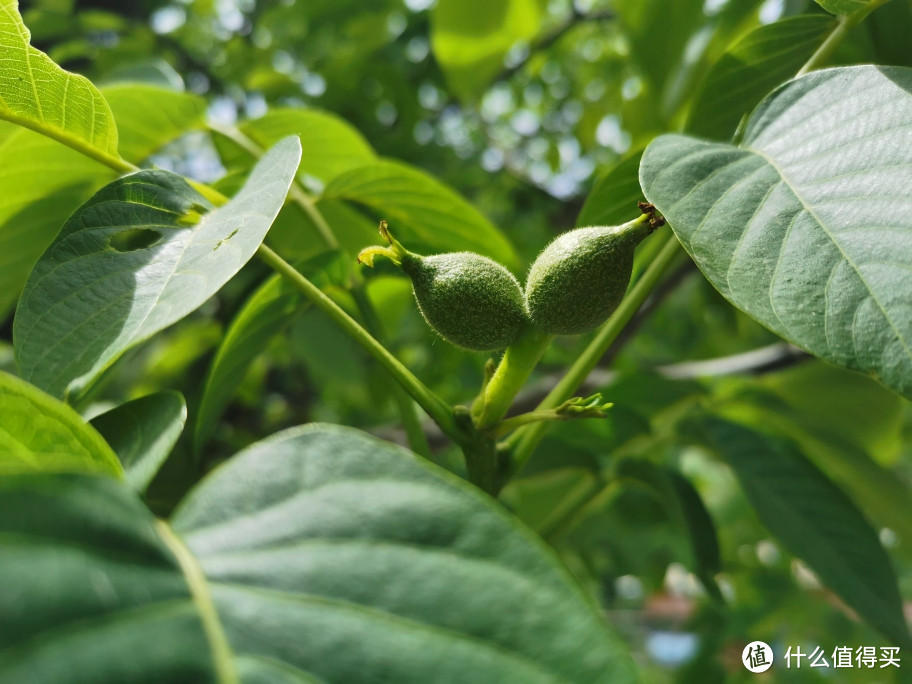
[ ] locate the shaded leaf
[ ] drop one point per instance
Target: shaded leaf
(843, 6)
(142, 433)
(814, 520)
(88, 587)
(750, 68)
(821, 174)
(700, 529)
(422, 212)
(130, 262)
(40, 434)
(352, 545)
(320, 536)
(543, 500)
(268, 311)
(685, 509)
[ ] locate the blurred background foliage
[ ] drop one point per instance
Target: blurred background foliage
(523, 107)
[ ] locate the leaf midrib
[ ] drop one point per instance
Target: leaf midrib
(222, 653)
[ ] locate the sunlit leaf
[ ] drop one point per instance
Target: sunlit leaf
(806, 225)
(330, 144)
(470, 38)
(149, 116)
(40, 434)
(38, 94)
(131, 261)
(422, 212)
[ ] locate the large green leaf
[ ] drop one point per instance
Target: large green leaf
(331, 145)
(102, 269)
(38, 94)
(750, 68)
(142, 433)
(89, 592)
(814, 520)
(423, 213)
(40, 434)
(806, 225)
(470, 38)
(148, 116)
(341, 543)
(43, 182)
(320, 554)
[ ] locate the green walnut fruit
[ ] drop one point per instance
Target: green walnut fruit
(468, 299)
(581, 277)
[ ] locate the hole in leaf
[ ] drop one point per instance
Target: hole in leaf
(132, 240)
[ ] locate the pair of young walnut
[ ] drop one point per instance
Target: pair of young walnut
(476, 303)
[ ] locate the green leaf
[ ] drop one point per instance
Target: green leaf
(43, 182)
(684, 507)
(470, 38)
(40, 434)
(102, 267)
(142, 433)
(889, 29)
(423, 213)
(331, 145)
(149, 116)
(352, 545)
(38, 94)
(750, 68)
(814, 520)
(88, 587)
(669, 23)
(613, 199)
(806, 225)
(268, 311)
(700, 529)
(839, 7)
(318, 541)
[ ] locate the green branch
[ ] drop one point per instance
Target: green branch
(499, 391)
(435, 407)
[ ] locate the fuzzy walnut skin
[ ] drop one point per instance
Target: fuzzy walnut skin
(581, 277)
(470, 300)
